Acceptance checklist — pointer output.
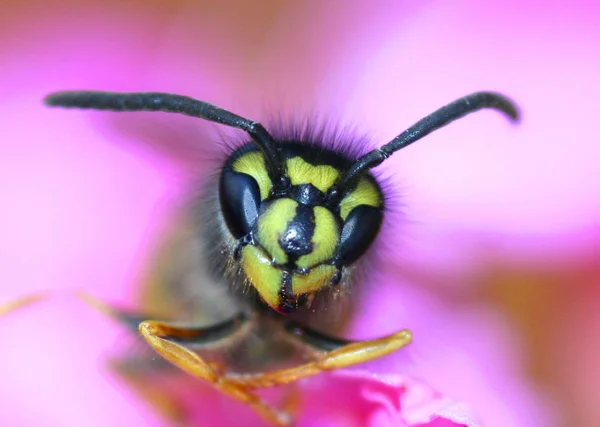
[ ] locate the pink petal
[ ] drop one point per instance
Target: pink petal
(342, 398)
(398, 400)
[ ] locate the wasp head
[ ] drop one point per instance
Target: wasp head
(293, 240)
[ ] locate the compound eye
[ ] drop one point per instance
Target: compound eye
(359, 232)
(240, 200)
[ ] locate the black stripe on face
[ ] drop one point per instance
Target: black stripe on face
(287, 300)
(297, 240)
(308, 194)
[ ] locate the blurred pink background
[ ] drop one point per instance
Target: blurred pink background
(496, 243)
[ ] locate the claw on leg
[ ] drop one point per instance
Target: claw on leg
(156, 333)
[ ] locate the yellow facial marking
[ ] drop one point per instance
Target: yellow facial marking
(253, 164)
(272, 224)
(301, 172)
(365, 193)
(265, 278)
(316, 279)
(324, 241)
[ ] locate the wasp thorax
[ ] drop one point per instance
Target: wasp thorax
(293, 243)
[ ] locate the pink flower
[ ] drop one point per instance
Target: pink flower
(341, 398)
(86, 194)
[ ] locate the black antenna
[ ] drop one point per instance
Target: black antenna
(440, 118)
(156, 101)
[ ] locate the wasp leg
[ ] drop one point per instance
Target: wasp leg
(165, 339)
(7, 307)
(169, 340)
(330, 353)
(140, 371)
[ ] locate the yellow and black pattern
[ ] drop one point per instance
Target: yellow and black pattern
(323, 177)
(295, 245)
(253, 164)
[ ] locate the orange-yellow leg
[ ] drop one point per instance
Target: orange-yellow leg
(329, 353)
(348, 355)
(8, 307)
(140, 371)
(156, 333)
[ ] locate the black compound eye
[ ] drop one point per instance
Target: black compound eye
(240, 200)
(360, 229)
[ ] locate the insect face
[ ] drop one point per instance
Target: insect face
(297, 218)
(294, 240)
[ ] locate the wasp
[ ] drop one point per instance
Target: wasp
(281, 233)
